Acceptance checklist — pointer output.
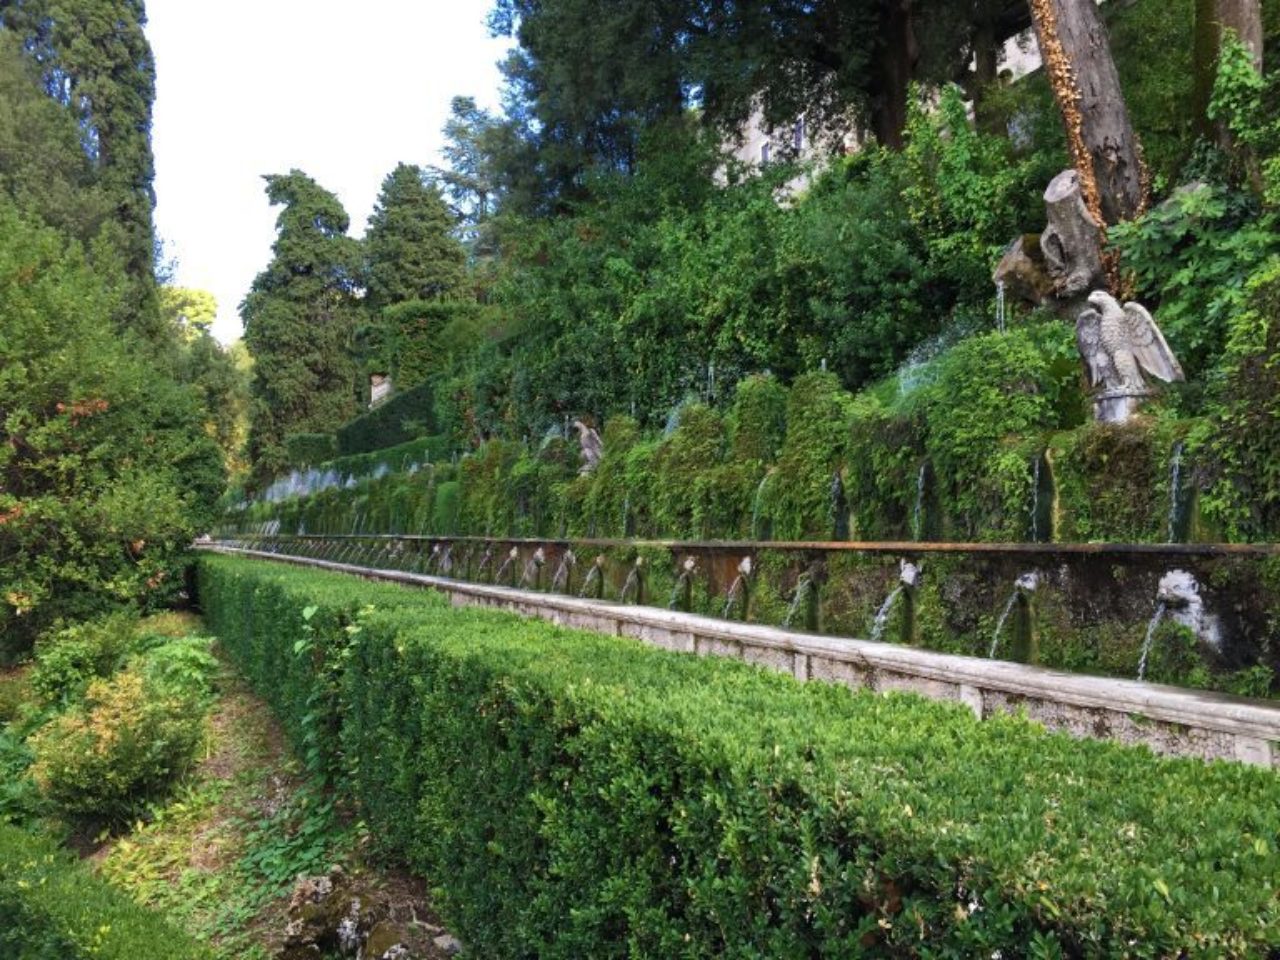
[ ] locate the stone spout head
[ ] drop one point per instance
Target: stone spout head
(1178, 589)
(1028, 582)
(908, 573)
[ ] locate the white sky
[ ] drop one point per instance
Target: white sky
(341, 91)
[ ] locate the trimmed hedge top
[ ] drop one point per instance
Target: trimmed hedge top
(51, 906)
(403, 417)
(580, 795)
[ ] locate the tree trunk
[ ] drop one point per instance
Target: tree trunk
(986, 54)
(1244, 19)
(1104, 148)
(1213, 19)
(894, 68)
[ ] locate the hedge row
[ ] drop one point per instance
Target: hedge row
(580, 795)
(400, 419)
(50, 906)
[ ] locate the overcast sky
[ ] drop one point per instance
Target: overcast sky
(342, 91)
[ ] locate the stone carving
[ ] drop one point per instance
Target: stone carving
(592, 446)
(1022, 271)
(1118, 344)
(1072, 242)
(1057, 268)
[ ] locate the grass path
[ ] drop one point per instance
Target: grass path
(220, 856)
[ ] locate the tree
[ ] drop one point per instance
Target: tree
(470, 180)
(188, 312)
(219, 376)
(105, 471)
(299, 317)
(410, 250)
(1082, 73)
(1214, 21)
(43, 168)
(94, 59)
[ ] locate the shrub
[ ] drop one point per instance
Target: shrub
(15, 694)
(1245, 500)
(128, 739)
(107, 472)
(68, 660)
(582, 795)
(51, 906)
(181, 667)
(310, 449)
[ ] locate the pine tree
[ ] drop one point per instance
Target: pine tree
(299, 318)
(410, 250)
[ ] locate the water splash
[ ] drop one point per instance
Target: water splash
(1004, 615)
(626, 513)
(593, 576)
(1000, 306)
(735, 588)
(682, 583)
(1035, 502)
(917, 512)
(755, 506)
(1175, 488)
(560, 579)
(512, 557)
(882, 615)
(632, 581)
(1027, 583)
(804, 588)
(1161, 608)
(485, 559)
(532, 566)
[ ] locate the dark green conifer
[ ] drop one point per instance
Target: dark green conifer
(410, 250)
(299, 318)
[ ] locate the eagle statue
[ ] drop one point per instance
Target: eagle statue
(591, 444)
(1118, 345)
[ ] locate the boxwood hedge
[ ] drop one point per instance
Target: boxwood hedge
(51, 906)
(578, 795)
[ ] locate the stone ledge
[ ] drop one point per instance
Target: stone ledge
(1168, 719)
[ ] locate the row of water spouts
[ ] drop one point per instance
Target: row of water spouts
(1178, 592)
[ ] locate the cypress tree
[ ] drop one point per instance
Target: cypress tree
(299, 317)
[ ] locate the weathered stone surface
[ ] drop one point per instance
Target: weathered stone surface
(1072, 241)
(591, 444)
(449, 945)
(1023, 272)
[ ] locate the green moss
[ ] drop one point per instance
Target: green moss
(816, 445)
(1112, 481)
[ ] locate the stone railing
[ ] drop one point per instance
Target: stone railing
(1170, 720)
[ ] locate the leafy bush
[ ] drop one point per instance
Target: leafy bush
(1191, 256)
(992, 396)
(104, 757)
(581, 795)
(180, 667)
(15, 694)
(69, 659)
(51, 906)
(1245, 499)
(106, 472)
